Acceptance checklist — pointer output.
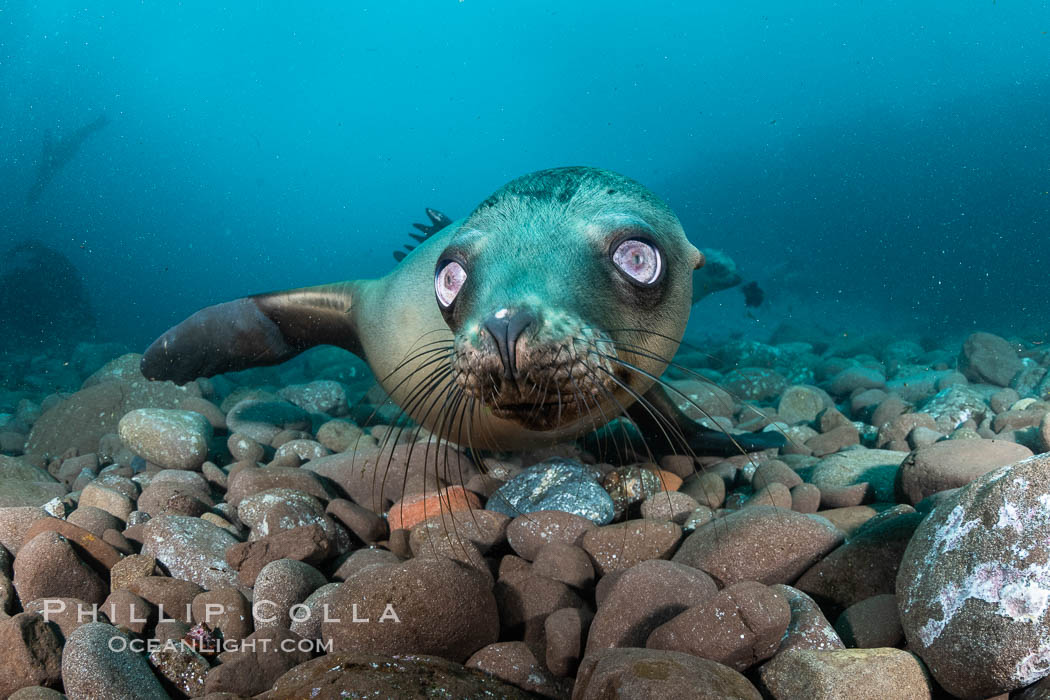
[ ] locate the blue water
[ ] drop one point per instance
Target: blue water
(874, 166)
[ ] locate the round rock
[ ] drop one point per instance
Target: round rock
(557, 484)
(170, 438)
(976, 577)
(98, 663)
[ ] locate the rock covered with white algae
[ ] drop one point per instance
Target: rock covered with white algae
(974, 584)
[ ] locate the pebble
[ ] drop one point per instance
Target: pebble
(322, 396)
(951, 464)
(342, 435)
(261, 658)
(414, 509)
(172, 439)
(975, 577)
(191, 549)
(514, 663)
(644, 597)
(866, 565)
(622, 545)
(182, 667)
(987, 358)
(651, 673)
(280, 585)
(858, 674)
(97, 663)
(263, 420)
(431, 598)
(376, 676)
(808, 628)
(557, 484)
(48, 566)
(525, 600)
(877, 468)
(872, 623)
(760, 543)
(738, 626)
(565, 629)
(172, 597)
(527, 534)
(32, 654)
(225, 610)
(307, 544)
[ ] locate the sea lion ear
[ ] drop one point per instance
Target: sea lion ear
(697, 257)
(264, 329)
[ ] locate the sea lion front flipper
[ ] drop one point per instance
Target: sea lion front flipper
(264, 329)
(666, 432)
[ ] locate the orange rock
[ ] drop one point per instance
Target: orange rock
(668, 480)
(418, 507)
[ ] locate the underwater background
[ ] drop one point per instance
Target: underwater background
(874, 167)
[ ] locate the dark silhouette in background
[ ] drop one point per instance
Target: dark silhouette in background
(57, 154)
(43, 301)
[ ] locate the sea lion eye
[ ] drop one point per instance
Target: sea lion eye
(639, 260)
(448, 281)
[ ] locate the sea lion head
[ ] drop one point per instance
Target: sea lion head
(567, 291)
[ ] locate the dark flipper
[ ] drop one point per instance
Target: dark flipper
(663, 438)
(264, 329)
(438, 221)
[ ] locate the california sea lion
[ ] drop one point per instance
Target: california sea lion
(548, 311)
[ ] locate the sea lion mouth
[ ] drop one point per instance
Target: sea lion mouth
(557, 383)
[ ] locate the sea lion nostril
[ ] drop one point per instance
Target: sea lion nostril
(505, 328)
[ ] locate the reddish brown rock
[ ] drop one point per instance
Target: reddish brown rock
(15, 523)
(650, 674)
(528, 533)
(805, 498)
(250, 481)
(129, 612)
(622, 545)
(566, 563)
(565, 630)
(308, 544)
(951, 464)
(225, 610)
(281, 585)
(67, 614)
(260, 659)
(430, 597)
(32, 654)
(644, 597)
(834, 440)
(514, 663)
(483, 528)
(863, 567)
(808, 629)
(88, 546)
(771, 545)
(525, 601)
(738, 626)
(172, 597)
(366, 525)
(48, 566)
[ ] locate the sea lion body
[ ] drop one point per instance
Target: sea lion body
(548, 334)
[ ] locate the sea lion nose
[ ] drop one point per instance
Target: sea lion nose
(505, 327)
